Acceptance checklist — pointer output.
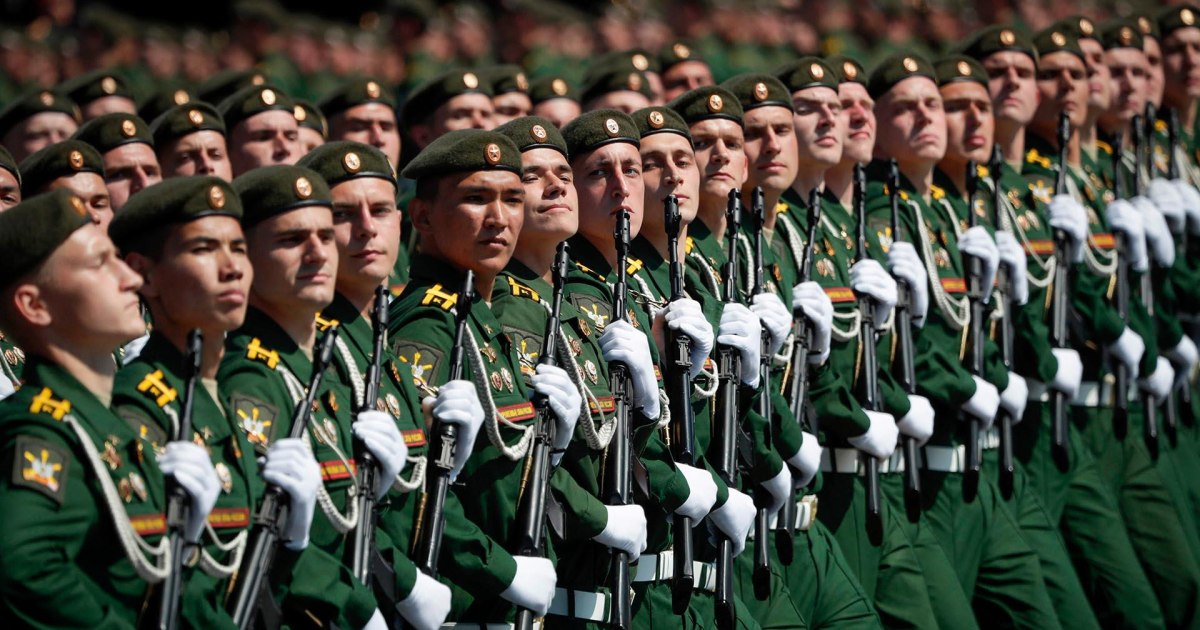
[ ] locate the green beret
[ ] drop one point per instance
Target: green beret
(31, 230)
(110, 131)
(62, 159)
(254, 100)
(761, 90)
(534, 132)
(94, 85)
(1121, 34)
(1054, 40)
(710, 101)
(223, 84)
(357, 92)
(1146, 26)
(183, 120)
(660, 119)
(615, 79)
(546, 88)
(594, 129)
(633, 59)
(676, 53)
(33, 103)
(465, 151)
(343, 160)
(164, 100)
(897, 68)
(1172, 19)
(997, 38)
(1082, 27)
(173, 201)
(273, 190)
(424, 100)
(957, 68)
(806, 72)
(9, 164)
(506, 78)
(848, 69)
(310, 116)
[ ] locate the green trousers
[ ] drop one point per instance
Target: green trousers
(778, 611)
(823, 587)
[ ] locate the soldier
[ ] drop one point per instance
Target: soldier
(554, 99)
(165, 99)
(190, 140)
(456, 99)
(261, 123)
(36, 120)
(71, 164)
(125, 143)
(683, 70)
(10, 181)
(510, 93)
(615, 85)
(364, 110)
(99, 92)
(221, 85)
(13, 357)
(311, 126)
(78, 476)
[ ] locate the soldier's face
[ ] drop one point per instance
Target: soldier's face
(551, 203)
(90, 187)
(510, 106)
(366, 225)
(609, 180)
(295, 260)
(264, 139)
(128, 169)
(559, 111)
(108, 105)
(309, 139)
(202, 279)
(720, 147)
(1128, 68)
(1181, 62)
(772, 158)
(474, 221)
(969, 124)
(38, 132)
(669, 168)
(1100, 82)
(369, 123)
(857, 122)
(1154, 71)
(684, 77)
(465, 111)
(819, 129)
(199, 153)
(10, 190)
(626, 101)
(1012, 83)
(912, 122)
(1062, 87)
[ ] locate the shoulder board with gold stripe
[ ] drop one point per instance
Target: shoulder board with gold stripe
(520, 290)
(325, 324)
(1104, 146)
(1033, 157)
(155, 387)
(982, 170)
(437, 296)
(257, 352)
(633, 265)
(691, 244)
(46, 403)
(887, 191)
(588, 270)
(937, 192)
(782, 207)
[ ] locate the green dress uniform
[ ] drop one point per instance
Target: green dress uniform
(13, 362)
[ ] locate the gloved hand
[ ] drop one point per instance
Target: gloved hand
(880, 438)
(1191, 204)
(775, 318)
(978, 243)
(868, 278)
(1012, 255)
(381, 436)
(376, 622)
(1128, 349)
(621, 342)
(735, 518)
(7, 388)
(1167, 198)
(292, 467)
(686, 316)
(702, 492)
(905, 264)
(918, 422)
(625, 529)
(533, 586)
(779, 488)
(811, 300)
(1070, 372)
(189, 463)
(427, 605)
(984, 403)
(740, 330)
(457, 403)
(1124, 218)
(1160, 380)
(1184, 357)
(806, 461)
(1068, 215)
(1014, 397)
(1158, 236)
(552, 382)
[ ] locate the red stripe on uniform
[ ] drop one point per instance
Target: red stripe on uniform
(954, 285)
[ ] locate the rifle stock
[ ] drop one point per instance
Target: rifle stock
(904, 352)
(618, 481)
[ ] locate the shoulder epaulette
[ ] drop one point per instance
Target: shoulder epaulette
(887, 191)
(1104, 146)
(325, 324)
(521, 290)
(689, 245)
(1160, 126)
(982, 171)
(45, 402)
(937, 192)
(589, 271)
(633, 265)
(153, 386)
(1033, 157)
(782, 208)
(437, 296)
(256, 352)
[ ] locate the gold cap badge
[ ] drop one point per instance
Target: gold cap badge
(850, 70)
(910, 64)
(470, 80)
(258, 79)
(373, 90)
(1186, 16)
(612, 127)
(128, 128)
(299, 113)
(640, 62)
(760, 91)
(268, 97)
(816, 71)
(522, 82)
(76, 160)
(181, 97)
(303, 188)
(351, 162)
(1086, 27)
(1059, 39)
(108, 85)
(1007, 37)
(964, 68)
(216, 197)
(492, 154)
(538, 132)
(46, 98)
(655, 119)
(681, 51)
(1126, 35)
(635, 81)
(715, 104)
(559, 87)
(195, 117)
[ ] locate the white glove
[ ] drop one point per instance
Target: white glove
(1012, 255)
(533, 586)
(1070, 372)
(1128, 349)
(292, 466)
(1184, 357)
(1014, 397)
(918, 422)
(812, 301)
(978, 243)
(867, 277)
(625, 529)
(457, 403)
(984, 403)
(740, 330)
(906, 265)
(880, 438)
(1169, 201)
(1068, 215)
(1160, 380)
(775, 318)
(6, 387)
(1124, 218)
(376, 622)
(807, 461)
(686, 316)
(702, 492)
(381, 436)
(189, 463)
(780, 489)
(735, 518)
(1158, 236)
(427, 606)
(552, 382)
(621, 342)
(1191, 204)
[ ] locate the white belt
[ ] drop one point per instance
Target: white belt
(656, 567)
(580, 605)
(1098, 394)
(1038, 391)
(466, 625)
(945, 458)
(849, 461)
(806, 513)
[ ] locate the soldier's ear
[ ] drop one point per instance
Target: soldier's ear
(29, 306)
(418, 210)
(145, 268)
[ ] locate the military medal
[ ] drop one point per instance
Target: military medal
(508, 378)
(590, 370)
(197, 439)
(576, 347)
(332, 399)
(825, 268)
(125, 490)
(942, 258)
(489, 352)
(497, 382)
(393, 404)
(584, 328)
(110, 455)
(380, 405)
(331, 436)
(224, 476)
(138, 485)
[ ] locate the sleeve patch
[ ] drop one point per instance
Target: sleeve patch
(422, 359)
(528, 347)
(146, 429)
(256, 418)
(40, 466)
(598, 312)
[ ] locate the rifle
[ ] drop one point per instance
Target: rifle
(1004, 418)
(531, 510)
(445, 439)
(870, 363)
(618, 482)
(1119, 370)
(904, 343)
(1060, 305)
(265, 536)
(1149, 402)
(975, 293)
(1170, 419)
(178, 503)
(762, 499)
(1185, 390)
